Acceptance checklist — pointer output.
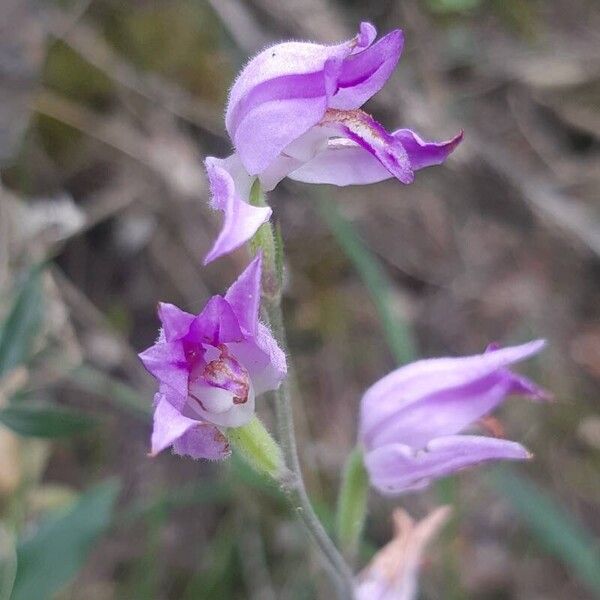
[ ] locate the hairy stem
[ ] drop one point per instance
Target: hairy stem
(295, 488)
(270, 244)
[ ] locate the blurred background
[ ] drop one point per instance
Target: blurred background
(107, 110)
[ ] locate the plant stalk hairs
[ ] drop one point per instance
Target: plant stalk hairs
(295, 111)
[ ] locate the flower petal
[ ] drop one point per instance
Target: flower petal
(424, 378)
(361, 128)
(203, 441)
(188, 436)
(271, 126)
(216, 324)
(169, 424)
(167, 362)
(263, 358)
(445, 413)
(426, 154)
(344, 162)
(397, 468)
(241, 219)
(176, 322)
(244, 295)
(393, 572)
(363, 74)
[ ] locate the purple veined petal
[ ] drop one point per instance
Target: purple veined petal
(397, 468)
(244, 296)
(176, 322)
(423, 378)
(426, 154)
(264, 359)
(167, 362)
(445, 413)
(216, 324)
(241, 220)
(187, 436)
(218, 405)
(364, 73)
(344, 162)
(203, 441)
(361, 128)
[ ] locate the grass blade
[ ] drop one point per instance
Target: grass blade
(22, 322)
(558, 532)
(398, 334)
(44, 420)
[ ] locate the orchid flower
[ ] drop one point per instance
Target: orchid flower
(294, 111)
(210, 367)
(410, 419)
(393, 572)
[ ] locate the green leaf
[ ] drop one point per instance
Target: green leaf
(44, 420)
(553, 527)
(398, 334)
(352, 504)
(22, 322)
(59, 548)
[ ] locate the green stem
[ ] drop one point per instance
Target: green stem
(295, 488)
(352, 505)
(270, 244)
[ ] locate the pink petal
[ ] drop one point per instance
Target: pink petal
(426, 154)
(167, 362)
(241, 219)
(176, 322)
(424, 378)
(361, 128)
(264, 359)
(441, 414)
(244, 295)
(203, 441)
(169, 424)
(188, 436)
(216, 324)
(271, 126)
(345, 162)
(363, 74)
(396, 468)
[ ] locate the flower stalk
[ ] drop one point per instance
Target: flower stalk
(256, 446)
(267, 241)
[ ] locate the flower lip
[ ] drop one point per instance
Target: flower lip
(227, 373)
